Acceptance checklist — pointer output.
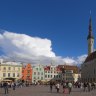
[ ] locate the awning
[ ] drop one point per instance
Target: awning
(7, 80)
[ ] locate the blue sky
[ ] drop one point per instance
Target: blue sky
(64, 22)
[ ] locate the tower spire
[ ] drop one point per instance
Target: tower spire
(90, 37)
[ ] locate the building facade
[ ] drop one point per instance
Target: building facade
(52, 73)
(88, 68)
(69, 73)
(88, 71)
(27, 73)
(10, 71)
(38, 73)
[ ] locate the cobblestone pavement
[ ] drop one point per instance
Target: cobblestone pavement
(40, 90)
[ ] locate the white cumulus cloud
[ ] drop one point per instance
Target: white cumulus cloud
(21, 47)
(21, 44)
(81, 59)
(70, 61)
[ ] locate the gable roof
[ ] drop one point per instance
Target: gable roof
(90, 57)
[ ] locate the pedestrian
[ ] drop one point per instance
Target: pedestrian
(5, 86)
(51, 86)
(13, 85)
(64, 87)
(81, 86)
(85, 86)
(70, 87)
(57, 87)
(89, 87)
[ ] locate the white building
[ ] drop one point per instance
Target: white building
(52, 72)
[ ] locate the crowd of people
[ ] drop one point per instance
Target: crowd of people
(86, 86)
(6, 85)
(67, 86)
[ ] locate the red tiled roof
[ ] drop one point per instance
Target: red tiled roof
(69, 67)
(47, 68)
(58, 69)
(91, 57)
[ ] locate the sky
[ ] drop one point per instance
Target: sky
(46, 30)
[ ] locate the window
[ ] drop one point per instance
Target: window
(4, 68)
(28, 71)
(13, 68)
(38, 77)
(41, 78)
(48, 76)
(42, 73)
(18, 74)
(13, 74)
(40, 69)
(4, 74)
(18, 69)
(8, 74)
(9, 68)
(37, 69)
(45, 76)
(69, 71)
(34, 77)
(45, 71)
(34, 73)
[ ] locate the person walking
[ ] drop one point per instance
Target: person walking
(57, 87)
(89, 87)
(13, 85)
(70, 87)
(5, 86)
(51, 86)
(85, 86)
(64, 87)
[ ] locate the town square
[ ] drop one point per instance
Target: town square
(43, 90)
(47, 48)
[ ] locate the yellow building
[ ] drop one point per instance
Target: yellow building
(70, 73)
(10, 71)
